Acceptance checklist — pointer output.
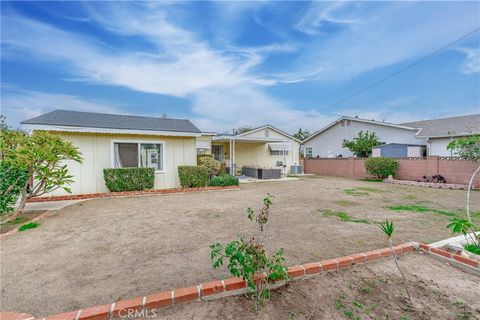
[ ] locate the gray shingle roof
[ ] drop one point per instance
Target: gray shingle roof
(112, 121)
(453, 126)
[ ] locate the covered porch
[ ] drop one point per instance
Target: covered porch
(239, 152)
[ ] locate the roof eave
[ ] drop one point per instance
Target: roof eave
(57, 128)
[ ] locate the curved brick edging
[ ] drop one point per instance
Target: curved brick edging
(127, 193)
(456, 260)
(37, 218)
(5, 315)
(220, 288)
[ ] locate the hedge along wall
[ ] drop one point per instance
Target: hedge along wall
(455, 170)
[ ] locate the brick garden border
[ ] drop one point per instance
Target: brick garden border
(235, 286)
(456, 260)
(127, 193)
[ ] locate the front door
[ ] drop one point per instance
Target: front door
(217, 151)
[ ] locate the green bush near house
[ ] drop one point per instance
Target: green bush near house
(201, 156)
(129, 179)
(193, 176)
(224, 180)
(213, 166)
(381, 168)
(12, 180)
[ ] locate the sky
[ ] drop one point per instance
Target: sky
(225, 65)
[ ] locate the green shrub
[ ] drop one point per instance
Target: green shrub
(193, 176)
(12, 180)
(201, 156)
(224, 180)
(213, 166)
(30, 225)
(381, 168)
(129, 179)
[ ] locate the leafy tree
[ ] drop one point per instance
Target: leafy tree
(468, 148)
(301, 134)
(12, 179)
(43, 156)
(361, 146)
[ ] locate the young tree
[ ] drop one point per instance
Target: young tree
(387, 227)
(361, 146)
(42, 155)
(242, 130)
(468, 148)
(301, 134)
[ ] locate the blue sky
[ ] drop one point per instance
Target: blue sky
(230, 64)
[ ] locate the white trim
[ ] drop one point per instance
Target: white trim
(138, 142)
(108, 130)
(386, 124)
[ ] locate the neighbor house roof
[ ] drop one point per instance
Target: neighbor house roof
(380, 123)
(63, 120)
(271, 128)
(447, 127)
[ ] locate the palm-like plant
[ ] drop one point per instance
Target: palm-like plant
(464, 227)
(388, 227)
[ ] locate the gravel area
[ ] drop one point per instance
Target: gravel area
(102, 250)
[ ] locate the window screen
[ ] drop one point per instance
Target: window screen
(147, 155)
(126, 155)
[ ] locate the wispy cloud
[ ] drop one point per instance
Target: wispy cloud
(18, 104)
(471, 64)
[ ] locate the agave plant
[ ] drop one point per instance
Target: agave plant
(388, 227)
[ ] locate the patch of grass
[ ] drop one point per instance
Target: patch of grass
(355, 192)
(357, 304)
(421, 208)
(30, 225)
(345, 203)
(343, 216)
(366, 285)
(410, 197)
(371, 180)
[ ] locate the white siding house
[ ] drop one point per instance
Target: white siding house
(327, 142)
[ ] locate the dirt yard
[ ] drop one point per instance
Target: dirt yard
(102, 250)
(371, 291)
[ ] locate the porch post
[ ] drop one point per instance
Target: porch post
(233, 158)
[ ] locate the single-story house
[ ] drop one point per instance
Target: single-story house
(115, 141)
(327, 142)
(439, 132)
(399, 150)
(264, 147)
(435, 134)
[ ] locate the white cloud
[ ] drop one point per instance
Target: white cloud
(19, 105)
(471, 64)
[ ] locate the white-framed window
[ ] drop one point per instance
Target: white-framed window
(278, 152)
(143, 154)
(267, 133)
(308, 152)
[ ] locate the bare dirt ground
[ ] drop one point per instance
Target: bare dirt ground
(371, 291)
(102, 250)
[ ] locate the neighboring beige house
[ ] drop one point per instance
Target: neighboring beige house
(263, 147)
(111, 141)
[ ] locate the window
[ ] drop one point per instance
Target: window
(278, 152)
(308, 152)
(137, 154)
(267, 133)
